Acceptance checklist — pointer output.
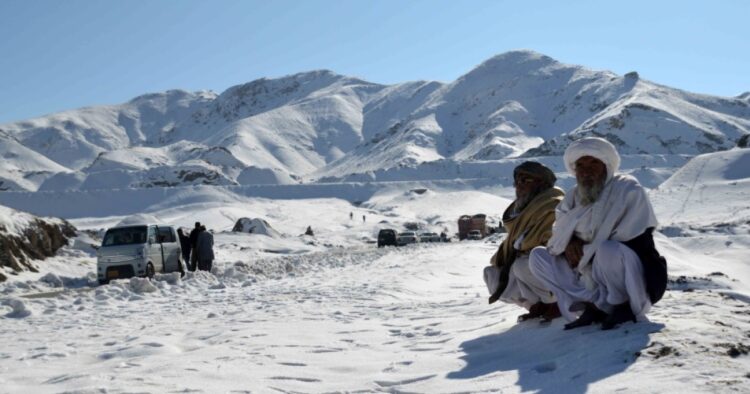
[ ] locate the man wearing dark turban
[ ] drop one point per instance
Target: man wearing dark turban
(528, 221)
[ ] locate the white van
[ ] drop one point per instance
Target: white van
(138, 250)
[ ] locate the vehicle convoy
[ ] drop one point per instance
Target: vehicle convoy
(138, 250)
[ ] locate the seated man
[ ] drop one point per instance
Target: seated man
(528, 221)
(601, 259)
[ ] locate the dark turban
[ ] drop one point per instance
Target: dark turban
(536, 170)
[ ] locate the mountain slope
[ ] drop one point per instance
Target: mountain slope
(505, 106)
(657, 119)
(708, 194)
(320, 124)
(22, 168)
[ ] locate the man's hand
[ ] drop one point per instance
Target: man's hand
(574, 252)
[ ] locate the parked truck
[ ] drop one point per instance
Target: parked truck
(467, 223)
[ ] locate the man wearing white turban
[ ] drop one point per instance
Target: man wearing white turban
(601, 260)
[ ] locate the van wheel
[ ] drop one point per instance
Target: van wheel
(149, 270)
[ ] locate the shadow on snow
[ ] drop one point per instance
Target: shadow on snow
(550, 360)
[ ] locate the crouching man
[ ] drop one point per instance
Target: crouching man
(528, 221)
(601, 261)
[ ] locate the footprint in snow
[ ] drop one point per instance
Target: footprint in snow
(332, 350)
(65, 378)
(293, 364)
(387, 383)
(395, 367)
(546, 367)
(305, 380)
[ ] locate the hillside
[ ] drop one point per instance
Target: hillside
(708, 194)
(321, 125)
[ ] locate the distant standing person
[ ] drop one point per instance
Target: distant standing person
(205, 247)
(185, 246)
(351, 215)
(193, 243)
(363, 218)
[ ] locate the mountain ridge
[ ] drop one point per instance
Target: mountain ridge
(319, 124)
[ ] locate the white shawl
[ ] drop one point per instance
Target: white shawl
(621, 213)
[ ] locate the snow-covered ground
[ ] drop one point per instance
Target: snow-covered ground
(333, 313)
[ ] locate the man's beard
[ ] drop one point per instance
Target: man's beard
(523, 200)
(588, 194)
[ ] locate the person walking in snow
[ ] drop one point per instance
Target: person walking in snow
(601, 261)
(185, 247)
(528, 221)
(205, 246)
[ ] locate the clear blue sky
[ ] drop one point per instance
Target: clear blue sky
(58, 55)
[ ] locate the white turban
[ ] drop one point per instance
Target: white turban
(594, 147)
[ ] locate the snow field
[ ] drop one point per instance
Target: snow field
(392, 319)
(332, 313)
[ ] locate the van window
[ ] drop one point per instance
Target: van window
(166, 235)
(152, 234)
(125, 236)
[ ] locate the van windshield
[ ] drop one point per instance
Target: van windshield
(125, 236)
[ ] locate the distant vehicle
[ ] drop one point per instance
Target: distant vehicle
(468, 223)
(474, 234)
(387, 237)
(429, 237)
(140, 250)
(407, 237)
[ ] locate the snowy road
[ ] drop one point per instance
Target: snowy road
(397, 320)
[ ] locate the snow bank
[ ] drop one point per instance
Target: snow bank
(141, 218)
(19, 309)
(710, 192)
(14, 222)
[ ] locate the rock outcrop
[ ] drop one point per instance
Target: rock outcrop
(24, 237)
(255, 226)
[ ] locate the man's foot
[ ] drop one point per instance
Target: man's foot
(590, 315)
(620, 314)
(578, 306)
(536, 310)
(551, 312)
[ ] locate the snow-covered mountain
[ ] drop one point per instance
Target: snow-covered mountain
(318, 124)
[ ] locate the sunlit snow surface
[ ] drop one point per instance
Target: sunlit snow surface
(333, 313)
